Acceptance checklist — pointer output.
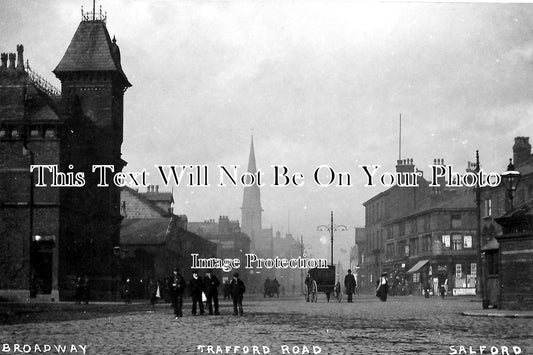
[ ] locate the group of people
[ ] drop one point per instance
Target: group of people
(271, 287)
(82, 289)
(207, 285)
(382, 286)
(350, 285)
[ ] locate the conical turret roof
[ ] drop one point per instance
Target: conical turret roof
(90, 50)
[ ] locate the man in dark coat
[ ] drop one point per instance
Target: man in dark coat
(127, 291)
(211, 291)
(79, 289)
(308, 286)
(275, 286)
(177, 286)
(237, 292)
(86, 289)
(196, 286)
(350, 284)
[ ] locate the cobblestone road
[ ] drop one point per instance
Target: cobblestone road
(402, 325)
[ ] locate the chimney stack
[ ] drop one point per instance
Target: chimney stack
(521, 150)
(3, 58)
(12, 57)
(405, 166)
(20, 57)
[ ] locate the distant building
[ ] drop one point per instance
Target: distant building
(49, 235)
(289, 247)
(230, 241)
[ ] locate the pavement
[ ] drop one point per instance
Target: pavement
(402, 325)
(499, 313)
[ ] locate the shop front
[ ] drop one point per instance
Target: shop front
(420, 279)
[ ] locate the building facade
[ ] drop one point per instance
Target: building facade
(62, 231)
(423, 236)
(507, 236)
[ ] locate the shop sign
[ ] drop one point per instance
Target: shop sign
(464, 291)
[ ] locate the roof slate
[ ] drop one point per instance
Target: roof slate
(45, 114)
(91, 49)
(144, 231)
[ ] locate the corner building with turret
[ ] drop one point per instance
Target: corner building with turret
(51, 235)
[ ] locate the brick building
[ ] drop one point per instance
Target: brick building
(154, 241)
(51, 234)
(422, 236)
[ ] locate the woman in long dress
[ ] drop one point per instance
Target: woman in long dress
(383, 287)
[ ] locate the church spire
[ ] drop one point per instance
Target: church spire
(251, 160)
(251, 204)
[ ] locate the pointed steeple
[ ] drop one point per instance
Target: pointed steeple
(251, 204)
(251, 160)
(252, 194)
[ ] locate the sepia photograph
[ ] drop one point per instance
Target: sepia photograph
(266, 177)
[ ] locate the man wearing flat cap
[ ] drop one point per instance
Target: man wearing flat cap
(177, 283)
(237, 291)
(211, 290)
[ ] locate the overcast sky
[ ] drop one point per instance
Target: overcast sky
(318, 82)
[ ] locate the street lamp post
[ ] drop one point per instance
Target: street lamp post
(332, 228)
(479, 271)
(511, 178)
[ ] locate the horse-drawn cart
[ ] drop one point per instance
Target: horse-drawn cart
(321, 280)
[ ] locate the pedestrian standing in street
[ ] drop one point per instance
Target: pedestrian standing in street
(349, 285)
(177, 288)
(86, 289)
(79, 289)
(211, 283)
(383, 287)
(443, 288)
(227, 290)
(237, 292)
(196, 287)
(155, 292)
(310, 289)
(127, 291)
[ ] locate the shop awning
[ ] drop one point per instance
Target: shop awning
(417, 266)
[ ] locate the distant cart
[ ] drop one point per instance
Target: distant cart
(325, 280)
